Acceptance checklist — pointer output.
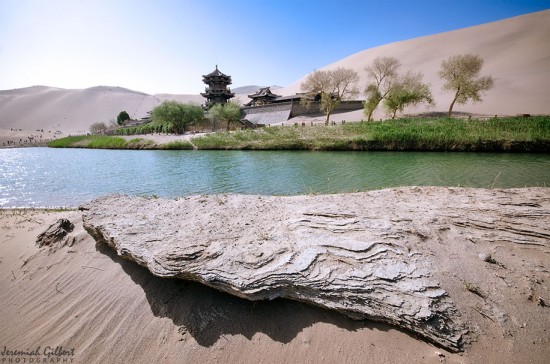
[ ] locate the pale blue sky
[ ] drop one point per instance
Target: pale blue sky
(164, 46)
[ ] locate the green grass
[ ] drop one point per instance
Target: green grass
(106, 142)
(177, 145)
(66, 142)
(100, 142)
(504, 134)
(429, 134)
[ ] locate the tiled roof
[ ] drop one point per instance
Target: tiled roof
(216, 73)
(264, 91)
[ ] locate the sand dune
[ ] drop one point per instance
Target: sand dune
(193, 99)
(73, 111)
(516, 53)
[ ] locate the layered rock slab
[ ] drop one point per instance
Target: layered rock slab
(355, 253)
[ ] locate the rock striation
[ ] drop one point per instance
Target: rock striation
(360, 254)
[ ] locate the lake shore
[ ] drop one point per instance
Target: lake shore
(530, 135)
(103, 308)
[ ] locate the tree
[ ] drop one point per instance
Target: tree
(122, 117)
(176, 116)
(407, 90)
(461, 75)
(332, 87)
(98, 128)
(229, 113)
(382, 74)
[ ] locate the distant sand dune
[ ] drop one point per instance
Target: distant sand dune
(516, 53)
(73, 111)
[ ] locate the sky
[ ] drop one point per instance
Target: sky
(165, 46)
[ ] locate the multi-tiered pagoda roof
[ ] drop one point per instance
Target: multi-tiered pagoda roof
(217, 90)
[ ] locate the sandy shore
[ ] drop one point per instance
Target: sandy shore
(102, 308)
(17, 138)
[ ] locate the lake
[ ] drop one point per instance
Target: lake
(45, 177)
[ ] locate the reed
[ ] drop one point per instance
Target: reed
(177, 145)
(497, 134)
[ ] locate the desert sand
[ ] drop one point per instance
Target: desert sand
(103, 308)
(516, 53)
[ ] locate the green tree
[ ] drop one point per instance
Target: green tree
(382, 74)
(332, 87)
(122, 117)
(229, 113)
(461, 75)
(407, 90)
(175, 116)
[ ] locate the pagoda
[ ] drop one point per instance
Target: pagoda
(217, 91)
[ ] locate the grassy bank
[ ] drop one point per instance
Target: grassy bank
(113, 142)
(494, 135)
(498, 134)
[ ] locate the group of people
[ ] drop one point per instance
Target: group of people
(31, 139)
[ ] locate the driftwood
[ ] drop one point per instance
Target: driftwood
(54, 233)
(355, 253)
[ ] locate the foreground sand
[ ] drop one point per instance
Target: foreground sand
(108, 309)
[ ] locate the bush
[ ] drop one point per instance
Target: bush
(122, 117)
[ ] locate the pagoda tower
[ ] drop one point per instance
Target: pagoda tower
(217, 91)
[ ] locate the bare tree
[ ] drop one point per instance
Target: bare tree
(332, 86)
(98, 128)
(382, 74)
(407, 90)
(461, 75)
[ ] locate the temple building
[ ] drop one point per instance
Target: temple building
(217, 91)
(262, 97)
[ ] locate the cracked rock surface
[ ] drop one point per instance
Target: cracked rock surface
(362, 254)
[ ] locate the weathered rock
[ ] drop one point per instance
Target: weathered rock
(486, 257)
(359, 254)
(54, 233)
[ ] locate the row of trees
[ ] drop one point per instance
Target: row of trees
(395, 90)
(175, 117)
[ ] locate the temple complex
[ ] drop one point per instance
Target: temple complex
(217, 91)
(265, 107)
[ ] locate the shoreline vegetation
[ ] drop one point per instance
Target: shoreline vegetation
(511, 134)
(115, 142)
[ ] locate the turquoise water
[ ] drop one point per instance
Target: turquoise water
(44, 177)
